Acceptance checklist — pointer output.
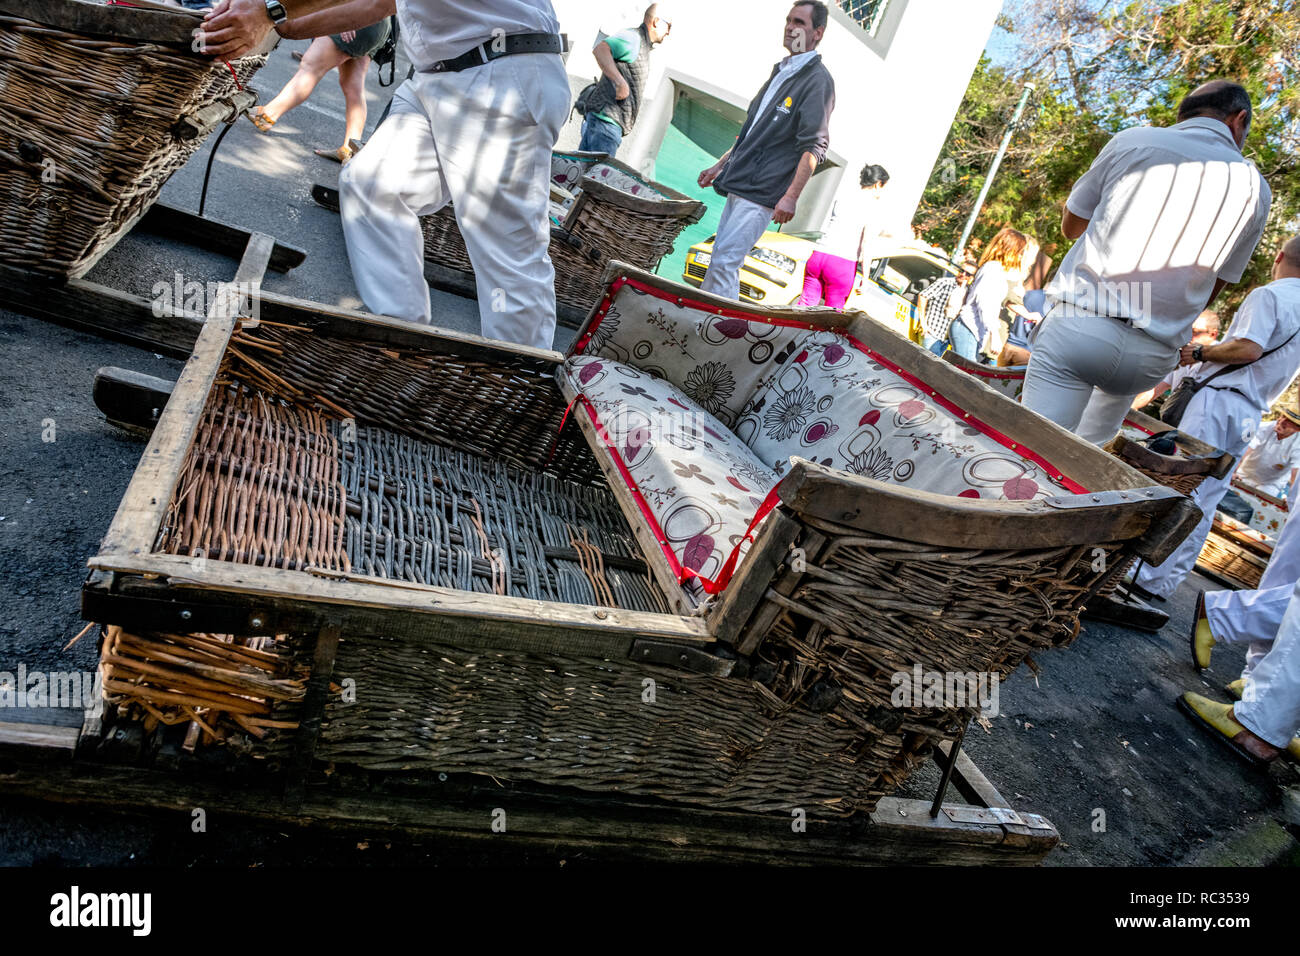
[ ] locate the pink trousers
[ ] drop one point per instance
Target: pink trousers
(828, 277)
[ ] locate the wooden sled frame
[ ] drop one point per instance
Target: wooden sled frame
(48, 758)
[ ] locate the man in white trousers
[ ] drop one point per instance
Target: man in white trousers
(1250, 617)
(1264, 341)
(1164, 219)
(1263, 723)
(785, 135)
(474, 126)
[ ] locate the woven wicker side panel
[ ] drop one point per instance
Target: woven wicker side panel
(101, 111)
(630, 235)
(872, 608)
(260, 485)
(586, 724)
(508, 412)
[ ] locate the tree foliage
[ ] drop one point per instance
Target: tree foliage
(1100, 67)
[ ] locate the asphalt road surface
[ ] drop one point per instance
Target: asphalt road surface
(1093, 742)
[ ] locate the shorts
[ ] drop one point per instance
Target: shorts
(367, 41)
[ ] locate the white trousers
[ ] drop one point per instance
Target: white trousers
(480, 139)
(742, 224)
(1270, 706)
(1227, 421)
(1253, 617)
(1085, 371)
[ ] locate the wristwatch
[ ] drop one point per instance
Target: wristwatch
(1198, 353)
(275, 10)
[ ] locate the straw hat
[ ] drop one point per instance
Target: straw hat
(1291, 414)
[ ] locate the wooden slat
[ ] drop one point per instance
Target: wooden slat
(135, 525)
(213, 235)
(313, 712)
(753, 577)
(139, 517)
(944, 520)
(969, 780)
(100, 310)
(425, 612)
(899, 832)
(175, 26)
(129, 398)
(45, 736)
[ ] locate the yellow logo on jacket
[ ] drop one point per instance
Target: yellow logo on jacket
(789, 102)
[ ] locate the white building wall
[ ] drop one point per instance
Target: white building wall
(893, 109)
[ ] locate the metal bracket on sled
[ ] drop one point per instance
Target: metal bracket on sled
(996, 816)
(672, 654)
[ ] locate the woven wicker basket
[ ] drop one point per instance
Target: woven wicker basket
(428, 495)
(605, 223)
(92, 124)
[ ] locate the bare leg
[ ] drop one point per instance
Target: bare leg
(352, 80)
(321, 57)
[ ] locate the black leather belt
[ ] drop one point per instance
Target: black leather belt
(495, 49)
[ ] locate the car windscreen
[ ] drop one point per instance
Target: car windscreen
(907, 275)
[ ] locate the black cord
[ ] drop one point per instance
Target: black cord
(207, 173)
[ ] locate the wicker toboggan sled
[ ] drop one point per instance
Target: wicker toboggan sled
(507, 575)
(99, 105)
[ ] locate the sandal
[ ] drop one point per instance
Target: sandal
(259, 119)
(340, 155)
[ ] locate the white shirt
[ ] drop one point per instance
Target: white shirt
(434, 30)
(844, 228)
(982, 310)
(1260, 465)
(1268, 317)
(1170, 210)
(788, 67)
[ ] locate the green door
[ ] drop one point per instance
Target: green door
(702, 130)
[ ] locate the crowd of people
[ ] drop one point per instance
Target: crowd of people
(1162, 222)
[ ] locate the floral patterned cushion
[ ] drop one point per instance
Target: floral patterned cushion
(717, 360)
(623, 182)
(567, 169)
(837, 404)
(1268, 519)
(701, 485)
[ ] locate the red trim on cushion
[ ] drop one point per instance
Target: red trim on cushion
(710, 585)
(983, 427)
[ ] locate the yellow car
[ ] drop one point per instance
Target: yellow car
(773, 275)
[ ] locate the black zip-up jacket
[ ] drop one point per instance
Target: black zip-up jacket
(768, 150)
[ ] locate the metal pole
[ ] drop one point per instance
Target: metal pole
(993, 171)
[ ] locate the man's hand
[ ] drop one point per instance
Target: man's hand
(347, 36)
(233, 28)
(1185, 355)
(784, 210)
(709, 175)
(621, 90)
